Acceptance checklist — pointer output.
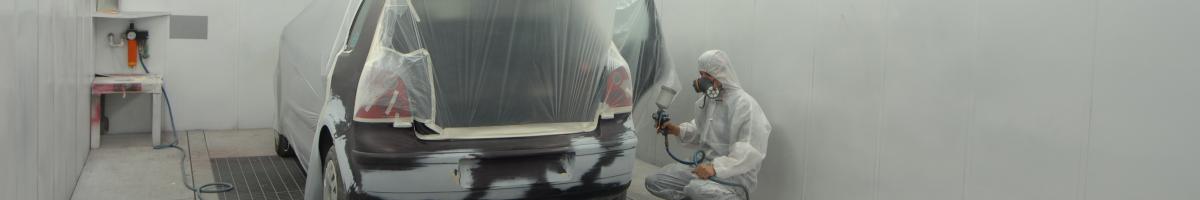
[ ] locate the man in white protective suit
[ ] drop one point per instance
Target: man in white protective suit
(729, 126)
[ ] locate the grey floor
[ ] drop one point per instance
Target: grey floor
(125, 167)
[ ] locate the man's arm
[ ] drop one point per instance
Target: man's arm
(687, 133)
(748, 151)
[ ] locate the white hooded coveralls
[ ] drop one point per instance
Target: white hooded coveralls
(731, 129)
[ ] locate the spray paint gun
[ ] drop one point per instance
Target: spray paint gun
(665, 97)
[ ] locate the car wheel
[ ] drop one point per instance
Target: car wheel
(282, 147)
(332, 180)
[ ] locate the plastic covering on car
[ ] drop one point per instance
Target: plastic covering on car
(395, 56)
(468, 69)
(306, 50)
(618, 86)
(487, 69)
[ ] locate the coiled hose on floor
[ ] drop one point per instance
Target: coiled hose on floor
(215, 187)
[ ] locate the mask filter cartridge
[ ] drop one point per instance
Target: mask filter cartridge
(707, 87)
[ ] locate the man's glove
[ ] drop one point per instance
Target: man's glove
(669, 127)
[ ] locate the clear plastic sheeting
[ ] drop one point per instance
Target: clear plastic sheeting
(306, 47)
(638, 35)
(618, 86)
(515, 62)
(489, 69)
(382, 93)
(630, 27)
(382, 96)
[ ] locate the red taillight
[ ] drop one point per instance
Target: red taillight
(385, 108)
(619, 92)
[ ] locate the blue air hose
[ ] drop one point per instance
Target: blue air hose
(698, 158)
(216, 187)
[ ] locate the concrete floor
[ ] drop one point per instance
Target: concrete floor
(125, 167)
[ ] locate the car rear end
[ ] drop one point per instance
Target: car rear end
(469, 99)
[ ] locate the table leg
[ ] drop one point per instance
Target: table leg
(156, 120)
(95, 121)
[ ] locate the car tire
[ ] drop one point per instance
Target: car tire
(282, 147)
(332, 180)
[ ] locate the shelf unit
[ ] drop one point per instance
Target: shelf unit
(130, 15)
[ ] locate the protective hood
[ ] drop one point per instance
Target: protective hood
(716, 63)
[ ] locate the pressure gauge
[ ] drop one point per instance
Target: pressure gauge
(131, 35)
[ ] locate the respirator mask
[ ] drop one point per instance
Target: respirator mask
(707, 85)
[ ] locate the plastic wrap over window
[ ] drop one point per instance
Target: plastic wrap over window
(469, 69)
(638, 36)
(515, 68)
(630, 27)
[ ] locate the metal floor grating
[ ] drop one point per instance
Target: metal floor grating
(260, 177)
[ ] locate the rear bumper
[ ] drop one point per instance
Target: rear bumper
(599, 164)
(614, 191)
(593, 176)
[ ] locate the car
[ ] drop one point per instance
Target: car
(466, 99)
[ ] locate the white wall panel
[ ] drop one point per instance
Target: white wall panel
(43, 118)
(11, 102)
(1033, 94)
(83, 82)
(1144, 125)
(982, 99)
(16, 138)
(786, 28)
(841, 147)
(927, 98)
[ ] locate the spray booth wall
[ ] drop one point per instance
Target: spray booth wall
(958, 99)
